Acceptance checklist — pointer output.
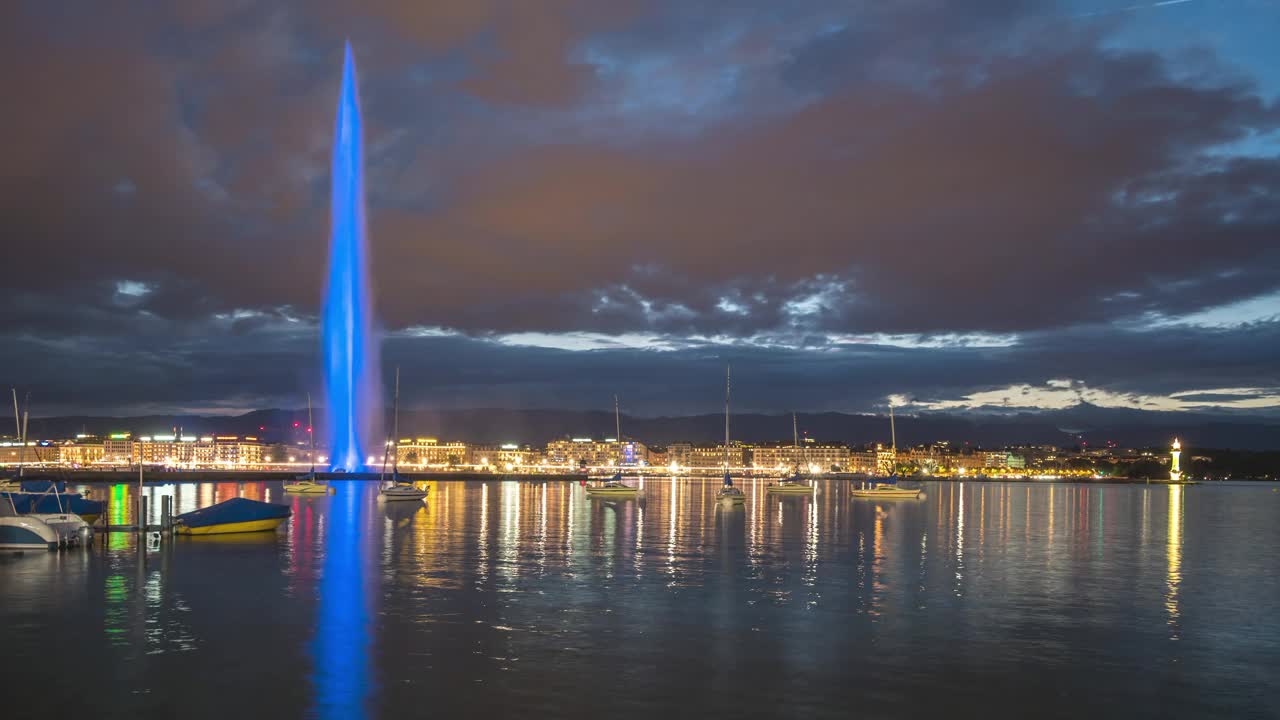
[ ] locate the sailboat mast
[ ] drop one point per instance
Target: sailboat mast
(23, 449)
(311, 428)
(726, 419)
(17, 427)
(395, 428)
(893, 432)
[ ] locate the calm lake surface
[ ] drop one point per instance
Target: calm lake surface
(525, 599)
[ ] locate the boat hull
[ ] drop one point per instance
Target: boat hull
(18, 533)
(307, 488)
(732, 499)
(237, 515)
(403, 497)
(893, 494)
(789, 489)
(612, 492)
(230, 528)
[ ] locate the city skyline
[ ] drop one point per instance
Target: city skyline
(960, 207)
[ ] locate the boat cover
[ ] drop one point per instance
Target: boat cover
(43, 486)
(235, 510)
(26, 502)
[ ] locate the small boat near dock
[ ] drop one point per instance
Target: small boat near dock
(39, 531)
(237, 515)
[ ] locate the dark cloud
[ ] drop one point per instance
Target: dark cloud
(785, 177)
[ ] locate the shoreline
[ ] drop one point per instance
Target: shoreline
(207, 476)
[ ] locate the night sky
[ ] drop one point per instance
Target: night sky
(981, 204)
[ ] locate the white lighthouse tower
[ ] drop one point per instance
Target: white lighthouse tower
(1175, 467)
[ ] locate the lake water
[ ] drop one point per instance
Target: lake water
(525, 599)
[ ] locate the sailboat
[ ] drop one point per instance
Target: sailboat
(614, 487)
(400, 489)
(728, 493)
(889, 489)
(795, 484)
(15, 484)
(307, 484)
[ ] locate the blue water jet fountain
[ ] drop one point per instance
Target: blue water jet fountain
(350, 353)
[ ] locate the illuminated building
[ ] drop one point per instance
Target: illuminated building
(81, 453)
(583, 452)
(1175, 466)
(809, 455)
(118, 448)
(430, 452)
(185, 450)
(705, 456)
(33, 453)
(864, 461)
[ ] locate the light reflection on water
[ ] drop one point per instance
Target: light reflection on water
(529, 599)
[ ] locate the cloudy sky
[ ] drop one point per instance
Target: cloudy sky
(969, 204)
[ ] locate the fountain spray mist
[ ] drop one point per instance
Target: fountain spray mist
(350, 348)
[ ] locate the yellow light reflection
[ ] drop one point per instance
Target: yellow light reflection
(1174, 557)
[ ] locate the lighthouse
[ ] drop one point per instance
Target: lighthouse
(1175, 467)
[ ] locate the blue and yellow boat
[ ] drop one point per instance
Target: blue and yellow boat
(237, 515)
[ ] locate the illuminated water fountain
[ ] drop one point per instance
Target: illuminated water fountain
(350, 350)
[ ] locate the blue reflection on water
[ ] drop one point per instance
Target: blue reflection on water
(342, 674)
(350, 355)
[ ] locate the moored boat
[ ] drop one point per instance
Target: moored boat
(400, 489)
(40, 530)
(727, 493)
(613, 487)
(304, 485)
(237, 515)
(307, 484)
(55, 503)
(887, 491)
(403, 490)
(23, 532)
(790, 486)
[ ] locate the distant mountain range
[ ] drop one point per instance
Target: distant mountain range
(1082, 423)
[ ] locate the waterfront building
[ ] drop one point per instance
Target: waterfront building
(864, 461)
(33, 453)
(678, 454)
(233, 450)
(81, 453)
(810, 456)
(192, 451)
(429, 452)
(707, 456)
(118, 448)
(657, 456)
(515, 458)
(584, 452)
(995, 459)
